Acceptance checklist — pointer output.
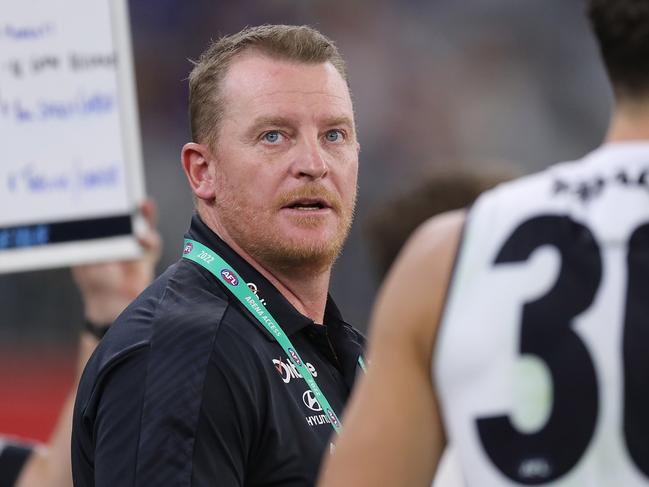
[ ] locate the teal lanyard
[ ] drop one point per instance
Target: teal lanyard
(204, 256)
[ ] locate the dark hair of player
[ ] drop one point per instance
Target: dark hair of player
(388, 226)
(622, 31)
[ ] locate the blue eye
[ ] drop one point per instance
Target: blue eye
(333, 135)
(272, 136)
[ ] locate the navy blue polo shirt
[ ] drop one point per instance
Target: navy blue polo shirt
(186, 388)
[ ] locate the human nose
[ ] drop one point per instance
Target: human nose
(310, 161)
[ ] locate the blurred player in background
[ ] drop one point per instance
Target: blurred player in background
(390, 225)
(540, 370)
(106, 289)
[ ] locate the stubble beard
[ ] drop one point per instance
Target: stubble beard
(256, 234)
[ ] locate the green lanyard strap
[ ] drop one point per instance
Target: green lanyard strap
(214, 263)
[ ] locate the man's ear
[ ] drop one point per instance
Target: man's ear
(196, 160)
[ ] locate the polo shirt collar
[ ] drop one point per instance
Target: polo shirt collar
(290, 319)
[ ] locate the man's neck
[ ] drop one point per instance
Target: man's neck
(307, 294)
(630, 122)
(305, 289)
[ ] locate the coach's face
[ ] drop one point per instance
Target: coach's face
(285, 161)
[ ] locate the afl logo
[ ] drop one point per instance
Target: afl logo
(229, 277)
(333, 418)
(188, 248)
(295, 357)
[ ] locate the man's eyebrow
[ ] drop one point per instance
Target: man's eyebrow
(282, 121)
(341, 120)
(272, 121)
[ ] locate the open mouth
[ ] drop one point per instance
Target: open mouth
(308, 204)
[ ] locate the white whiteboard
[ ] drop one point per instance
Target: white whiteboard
(71, 174)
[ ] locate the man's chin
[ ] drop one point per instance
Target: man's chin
(308, 255)
(305, 254)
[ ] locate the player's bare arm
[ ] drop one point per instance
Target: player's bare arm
(394, 418)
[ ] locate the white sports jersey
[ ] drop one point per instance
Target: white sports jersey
(542, 358)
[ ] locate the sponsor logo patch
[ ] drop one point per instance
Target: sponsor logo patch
(309, 400)
(229, 277)
(255, 290)
(317, 420)
(288, 371)
(188, 248)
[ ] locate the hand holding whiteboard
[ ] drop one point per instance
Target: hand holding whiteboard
(71, 176)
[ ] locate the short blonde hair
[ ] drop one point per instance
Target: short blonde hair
(287, 42)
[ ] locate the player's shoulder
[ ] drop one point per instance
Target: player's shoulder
(429, 256)
(415, 288)
(435, 240)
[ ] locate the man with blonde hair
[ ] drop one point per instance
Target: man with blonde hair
(232, 369)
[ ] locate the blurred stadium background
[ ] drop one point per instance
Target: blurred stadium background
(437, 84)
